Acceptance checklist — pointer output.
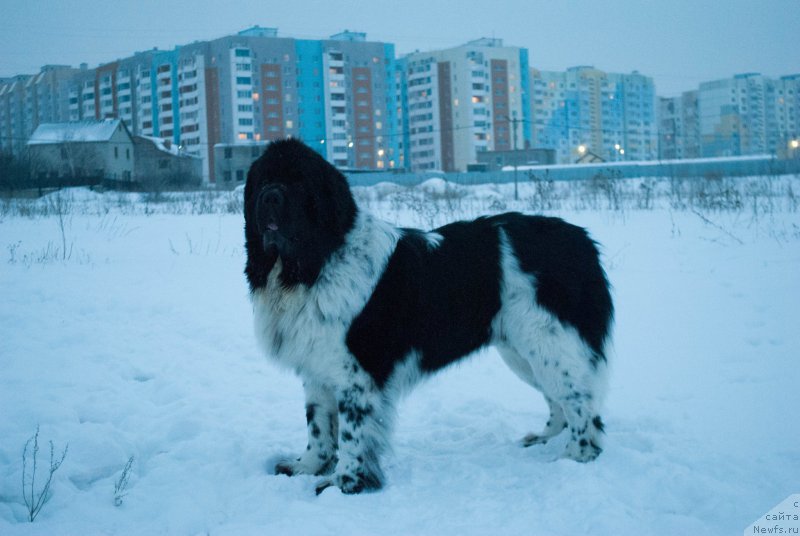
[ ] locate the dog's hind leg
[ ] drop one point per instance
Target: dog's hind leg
(522, 368)
(575, 382)
(322, 420)
(560, 364)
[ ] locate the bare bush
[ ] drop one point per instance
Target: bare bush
(544, 192)
(121, 484)
(35, 501)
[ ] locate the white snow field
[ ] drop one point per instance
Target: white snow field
(137, 340)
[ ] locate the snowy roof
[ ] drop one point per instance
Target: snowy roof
(100, 130)
(161, 144)
(166, 146)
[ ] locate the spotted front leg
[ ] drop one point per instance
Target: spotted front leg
(321, 416)
(363, 430)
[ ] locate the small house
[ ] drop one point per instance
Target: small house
(81, 153)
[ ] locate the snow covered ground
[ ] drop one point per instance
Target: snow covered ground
(140, 344)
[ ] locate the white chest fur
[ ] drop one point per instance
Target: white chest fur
(304, 328)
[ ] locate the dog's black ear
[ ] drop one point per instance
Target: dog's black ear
(328, 214)
(334, 201)
(259, 262)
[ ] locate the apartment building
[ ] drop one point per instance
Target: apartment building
(462, 101)
(338, 95)
(585, 111)
(29, 100)
(678, 127)
(735, 113)
(749, 114)
(788, 116)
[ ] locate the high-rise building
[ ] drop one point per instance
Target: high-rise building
(748, 114)
(339, 95)
(788, 112)
(586, 111)
(678, 127)
(29, 100)
(462, 101)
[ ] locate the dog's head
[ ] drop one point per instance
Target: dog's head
(297, 208)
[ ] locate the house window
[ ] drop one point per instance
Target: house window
(116, 152)
(228, 152)
(240, 175)
(127, 154)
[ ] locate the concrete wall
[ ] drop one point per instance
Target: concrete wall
(714, 167)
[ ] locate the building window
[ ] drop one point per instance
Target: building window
(228, 153)
(239, 175)
(116, 152)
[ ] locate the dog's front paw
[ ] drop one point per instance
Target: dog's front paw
(351, 484)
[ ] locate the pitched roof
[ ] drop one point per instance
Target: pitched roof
(89, 130)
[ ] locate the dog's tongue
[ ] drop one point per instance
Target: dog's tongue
(272, 227)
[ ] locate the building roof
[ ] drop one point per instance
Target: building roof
(163, 145)
(86, 131)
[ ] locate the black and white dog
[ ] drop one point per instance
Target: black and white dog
(361, 310)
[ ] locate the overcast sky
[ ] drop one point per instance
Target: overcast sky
(680, 43)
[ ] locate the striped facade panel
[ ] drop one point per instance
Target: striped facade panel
(445, 91)
(500, 105)
(364, 117)
(272, 102)
(212, 115)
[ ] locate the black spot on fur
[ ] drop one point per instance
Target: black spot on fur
(598, 424)
(310, 410)
(354, 414)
